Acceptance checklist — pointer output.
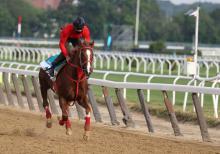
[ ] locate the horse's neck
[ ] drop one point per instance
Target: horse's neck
(75, 60)
(75, 72)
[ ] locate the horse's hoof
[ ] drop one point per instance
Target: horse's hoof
(59, 118)
(49, 123)
(68, 131)
(61, 122)
(86, 136)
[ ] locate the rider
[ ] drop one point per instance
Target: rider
(70, 33)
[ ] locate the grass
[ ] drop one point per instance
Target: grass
(156, 97)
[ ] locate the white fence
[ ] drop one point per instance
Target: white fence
(200, 82)
(27, 75)
(120, 61)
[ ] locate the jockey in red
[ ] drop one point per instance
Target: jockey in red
(70, 33)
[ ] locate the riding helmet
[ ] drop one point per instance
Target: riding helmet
(78, 24)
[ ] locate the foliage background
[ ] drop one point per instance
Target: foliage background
(154, 23)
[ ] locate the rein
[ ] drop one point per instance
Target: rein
(80, 77)
(80, 74)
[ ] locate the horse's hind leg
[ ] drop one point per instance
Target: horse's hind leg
(84, 103)
(44, 86)
(65, 113)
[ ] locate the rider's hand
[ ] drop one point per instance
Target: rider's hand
(81, 40)
(67, 58)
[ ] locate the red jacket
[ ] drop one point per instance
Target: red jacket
(68, 33)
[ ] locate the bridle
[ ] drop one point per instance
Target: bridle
(81, 75)
(88, 60)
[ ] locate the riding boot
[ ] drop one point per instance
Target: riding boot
(60, 58)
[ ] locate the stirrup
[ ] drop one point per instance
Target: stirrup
(53, 78)
(51, 72)
(48, 68)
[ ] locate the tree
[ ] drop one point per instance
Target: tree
(207, 28)
(152, 21)
(216, 23)
(172, 32)
(215, 16)
(11, 9)
(7, 22)
(157, 47)
(95, 15)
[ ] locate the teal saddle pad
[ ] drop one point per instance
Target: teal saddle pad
(51, 59)
(48, 62)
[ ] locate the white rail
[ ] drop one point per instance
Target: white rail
(120, 61)
(27, 69)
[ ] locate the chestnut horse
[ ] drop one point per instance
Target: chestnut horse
(71, 85)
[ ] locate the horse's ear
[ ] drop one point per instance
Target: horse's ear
(92, 43)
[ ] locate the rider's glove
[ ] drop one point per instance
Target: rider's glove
(67, 58)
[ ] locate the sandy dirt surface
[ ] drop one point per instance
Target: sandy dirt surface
(24, 132)
(161, 127)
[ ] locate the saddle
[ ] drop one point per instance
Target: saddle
(46, 65)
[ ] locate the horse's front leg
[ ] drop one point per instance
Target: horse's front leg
(87, 127)
(65, 114)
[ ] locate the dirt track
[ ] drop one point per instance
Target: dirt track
(25, 132)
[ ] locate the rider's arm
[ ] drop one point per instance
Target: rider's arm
(64, 35)
(86, 34)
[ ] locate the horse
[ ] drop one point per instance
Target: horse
(71, 85)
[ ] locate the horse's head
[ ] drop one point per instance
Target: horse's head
(84, 54)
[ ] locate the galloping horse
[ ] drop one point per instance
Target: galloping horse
(71, 85)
